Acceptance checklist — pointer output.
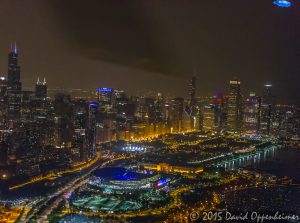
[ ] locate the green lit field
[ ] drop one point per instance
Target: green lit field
(102, 203)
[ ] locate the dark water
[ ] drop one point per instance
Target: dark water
(277, 161)
(282, 162)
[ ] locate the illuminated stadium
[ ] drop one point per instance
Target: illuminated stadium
(117, 178)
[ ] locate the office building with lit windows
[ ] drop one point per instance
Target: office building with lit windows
(234, 106)
(251, 120)
(267, 109)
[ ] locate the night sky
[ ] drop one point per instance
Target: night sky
(155, 45)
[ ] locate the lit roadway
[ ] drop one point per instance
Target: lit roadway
(62, 193)
(24, 217)
(51, 175)
(74, 169)
(69, 188)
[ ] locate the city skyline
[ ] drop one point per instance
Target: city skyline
(149, 111)
(189, 94)
(37, 55)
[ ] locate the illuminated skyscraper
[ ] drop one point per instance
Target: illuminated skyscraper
(14, 85)
(234, 106)
(41, 89)
(192, 91)
(159, 108)
(212, 113)
(266, 109)
(150, 109)
(252, 114)
(63, 110)
(177, 114)
(92, 125)
(81, 118)
(120, 105)
(105, 94)
(209, 117)
(3, 99)
(219, 112)
(193, 110)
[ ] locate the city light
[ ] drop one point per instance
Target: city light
(104, 89)
(84, 153)
(134, 149)
(160, 183)
(94, 104)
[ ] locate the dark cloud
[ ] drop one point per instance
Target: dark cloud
(156, 44)
(174, 37)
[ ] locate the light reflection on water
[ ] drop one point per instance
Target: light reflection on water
(278, 161)
(251, 160)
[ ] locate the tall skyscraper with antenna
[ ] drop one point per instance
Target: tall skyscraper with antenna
(192, 91)
(193, 109)
(14, 86)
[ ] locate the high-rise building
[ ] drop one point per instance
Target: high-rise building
(193, 110)
(28, 107)
(92, 125)
(234, 106)
(105, 95)
(192, 91)
(3, 100)
(251, 119)
(119, 104)
(150, 109)
(63, 111)
(212, 113)
(14, 87)
(219, 112)
(286, 121)
(159, 108)
(267, 105)
(81, 115)
(177, 114)
(209, 122)
(41, 89)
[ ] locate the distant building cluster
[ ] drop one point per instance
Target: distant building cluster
(39, 134)
(253, 114)
(167, 168)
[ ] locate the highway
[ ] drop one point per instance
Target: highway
(64, 192)
(50, 175)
